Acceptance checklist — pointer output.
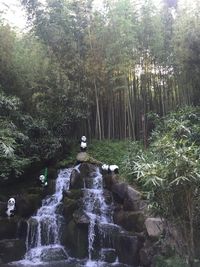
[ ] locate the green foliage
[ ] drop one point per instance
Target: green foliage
(169, 171)
(23, 140)
(109, 152)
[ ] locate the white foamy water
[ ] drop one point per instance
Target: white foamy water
(43, 233)
(96, 209)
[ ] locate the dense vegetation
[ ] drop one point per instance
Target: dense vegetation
(169, 172)
(98, 72)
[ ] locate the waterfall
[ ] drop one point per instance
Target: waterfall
(97, 210)
(43, 233)
(45, 228)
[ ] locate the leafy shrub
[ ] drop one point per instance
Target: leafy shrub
(169, 171)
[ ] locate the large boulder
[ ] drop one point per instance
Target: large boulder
(154, 227)
(12, 250)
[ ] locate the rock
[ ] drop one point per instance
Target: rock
(22, 229)
(52, 173)
(87, 169)
(53, 254)
(35, 190)
(119, 191)
(107, 196)
(28, 204)
(74, 194)
(146, 256)
(149, 252)
(154, 226)
(8, 227)
(131, 221)
(132, 194)
(3, 208)
(69, 206)
(80, 217)
(82, 177)
(75, 238)
(127, 248)
(12, 250)
(85, 157)
(108, 255)
(76, 181)
(82, 157)
(132, 199)
(50, 189)
(109, 235)
(135, 221)
(109, 181)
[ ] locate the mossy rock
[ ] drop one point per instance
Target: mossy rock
(84, 157)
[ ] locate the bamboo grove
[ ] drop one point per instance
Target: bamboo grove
(117, 63)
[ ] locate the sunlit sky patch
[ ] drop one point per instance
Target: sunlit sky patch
(14, 14)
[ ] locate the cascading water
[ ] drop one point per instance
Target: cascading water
(99, 214)
(43, 233)
(45, 228)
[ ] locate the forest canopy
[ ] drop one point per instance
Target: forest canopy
(101, 72)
